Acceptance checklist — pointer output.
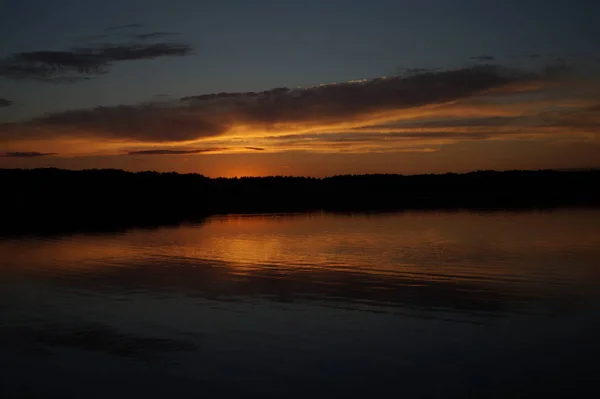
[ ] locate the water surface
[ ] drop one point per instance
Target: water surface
(416, 304)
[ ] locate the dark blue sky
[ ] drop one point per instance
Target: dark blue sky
(242, 45)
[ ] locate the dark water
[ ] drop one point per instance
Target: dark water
(447, 304)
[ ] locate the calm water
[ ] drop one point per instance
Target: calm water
(447, 304)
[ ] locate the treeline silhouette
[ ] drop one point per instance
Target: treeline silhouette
(57, 199)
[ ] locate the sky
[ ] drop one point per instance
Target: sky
(317, 87)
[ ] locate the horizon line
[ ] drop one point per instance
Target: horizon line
(590, 169)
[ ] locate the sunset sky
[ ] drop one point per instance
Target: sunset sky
(313, 87)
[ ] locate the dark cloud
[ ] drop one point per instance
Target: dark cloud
(145, 123)
(46, 65)
(483, 58)
(5, 103)
(175, 152)
(240, 95)
(140, 51)
(153, 35)
(124, 32)
(411, 71)
(87, 61)
(255, 148)
(342, 100)
(31, 154)
(358, 137)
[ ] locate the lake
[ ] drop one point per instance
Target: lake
(412, 304)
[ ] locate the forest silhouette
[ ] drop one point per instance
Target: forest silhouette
(64, 200)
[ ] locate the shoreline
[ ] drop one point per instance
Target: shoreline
(89, 200)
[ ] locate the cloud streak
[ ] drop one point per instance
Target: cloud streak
(85, 62)
(153, 35)
(31, 154)
(175, 152)
(5, 103)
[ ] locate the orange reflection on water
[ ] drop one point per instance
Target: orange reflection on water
(495, 248)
